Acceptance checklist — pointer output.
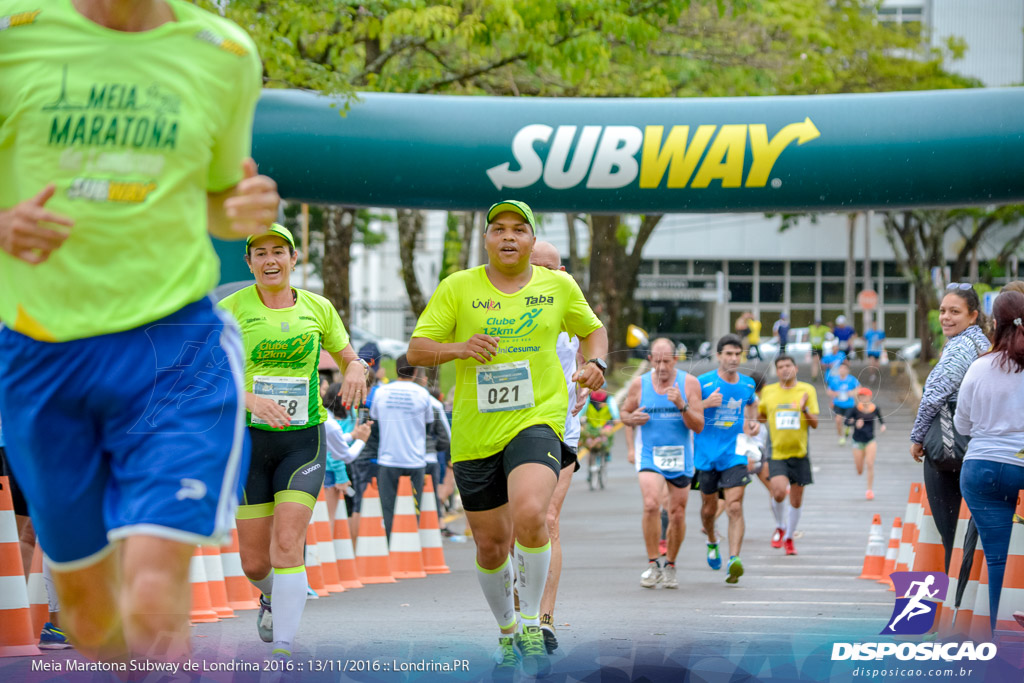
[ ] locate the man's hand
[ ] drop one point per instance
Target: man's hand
(803, 402)
(268, 410)
(480, 347)
(361, 432)
(631, 456)
(581, 399)
(636, 418)
(859, 424)
(752, 428)
(673, 394)
(22, 234)
(254, 204)
(589, 376)
(917, 451)
(714, 400)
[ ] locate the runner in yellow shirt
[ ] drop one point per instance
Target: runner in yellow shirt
(500, 324)
(125, 134)
(790, 408)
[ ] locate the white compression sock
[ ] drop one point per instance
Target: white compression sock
(794, 519)
(779, 510)
(266, 584)
(51, 590)
(531, 574)
(497, 587)
(288, 602)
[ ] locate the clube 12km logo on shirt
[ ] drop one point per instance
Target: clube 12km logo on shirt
(918, 598)
(605, 156)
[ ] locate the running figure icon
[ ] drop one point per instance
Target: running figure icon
(915, 604)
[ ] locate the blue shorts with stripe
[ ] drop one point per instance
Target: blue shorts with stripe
(140, 432)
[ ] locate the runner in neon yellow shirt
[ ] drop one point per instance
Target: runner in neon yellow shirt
(283, 329)
(500, 324)
(125, 130)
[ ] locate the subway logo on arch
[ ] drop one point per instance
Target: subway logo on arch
(605, 157)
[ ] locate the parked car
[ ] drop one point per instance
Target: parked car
(389, 348)
(798, 346)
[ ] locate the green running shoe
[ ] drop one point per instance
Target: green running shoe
(531, 647)
(714, 558)
(505, 669)
(735, 569)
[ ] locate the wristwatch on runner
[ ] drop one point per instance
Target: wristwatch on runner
(601, 365)
(366, 366)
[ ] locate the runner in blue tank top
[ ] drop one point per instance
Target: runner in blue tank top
(730, 410)
(665, 406)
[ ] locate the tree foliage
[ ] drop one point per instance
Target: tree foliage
(589, 48)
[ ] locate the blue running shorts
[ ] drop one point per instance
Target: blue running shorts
(140, 432)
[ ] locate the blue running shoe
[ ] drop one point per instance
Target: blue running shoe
(53, 638)
(714, 558)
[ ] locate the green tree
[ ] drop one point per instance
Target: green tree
(589, 48)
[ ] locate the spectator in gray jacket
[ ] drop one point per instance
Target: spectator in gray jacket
(960, 316)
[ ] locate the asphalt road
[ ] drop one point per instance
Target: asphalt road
(774, 624)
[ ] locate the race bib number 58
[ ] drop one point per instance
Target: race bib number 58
(506, 386)
(291, 393)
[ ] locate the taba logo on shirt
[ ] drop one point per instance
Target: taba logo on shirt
(284, 352)
(539, 300)
(489, 305)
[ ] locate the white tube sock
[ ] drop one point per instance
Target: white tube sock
(794, 519)
(497, 587)
(531, 574)
(289, 600)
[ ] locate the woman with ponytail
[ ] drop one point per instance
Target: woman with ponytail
(989, 410)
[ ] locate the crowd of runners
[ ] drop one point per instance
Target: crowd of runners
(186, 414)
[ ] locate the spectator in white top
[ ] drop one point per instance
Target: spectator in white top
(989, 410)
(402, 410)
(439, 438)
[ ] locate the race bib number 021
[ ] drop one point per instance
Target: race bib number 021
(506, 386)
(787, 419)
(291, 393)
(670, 458)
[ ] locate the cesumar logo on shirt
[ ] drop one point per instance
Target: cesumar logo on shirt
(283, 352)
(19, 19)
(101, 190)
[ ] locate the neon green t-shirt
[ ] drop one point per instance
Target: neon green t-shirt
(282, 350)
(816, 335)
(133, 129)
(523, 385)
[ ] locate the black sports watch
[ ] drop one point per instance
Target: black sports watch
(601, 365)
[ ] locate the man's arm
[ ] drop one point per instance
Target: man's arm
(427, 353)
(694, 415)
(631, 403)
(812, 418)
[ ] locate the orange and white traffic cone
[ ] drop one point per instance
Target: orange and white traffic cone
(344, 550)
(202, 607)
(325, 545)
(314, 571)
(406, 554)
(239, 590)
(905, 560)
(430, 531)
(874, 554)
(1011, 597)
(38, 602)
(892, 552)
(980, 629)
(929, 555)
(956, 560)
(372, 559)
(17, 637)
(215, 580)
